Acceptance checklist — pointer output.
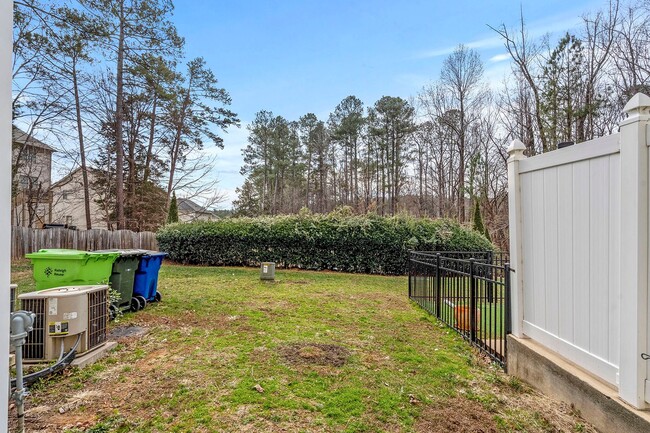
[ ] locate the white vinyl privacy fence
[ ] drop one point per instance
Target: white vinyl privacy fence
(579, 235)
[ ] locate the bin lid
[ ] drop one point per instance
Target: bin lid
(124, 252)
(57, 253)
(63, 292)
(66, 254)
(155, 253)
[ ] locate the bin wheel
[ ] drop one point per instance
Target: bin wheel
(135, 305)
(157, 297)
(142, 300)
(112, 312)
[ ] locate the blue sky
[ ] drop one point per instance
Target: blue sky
(295, 57)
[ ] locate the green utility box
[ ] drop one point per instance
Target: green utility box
(61, 267)
(123, 277)
(267, 271)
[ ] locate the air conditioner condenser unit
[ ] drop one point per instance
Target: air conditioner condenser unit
(64, 314)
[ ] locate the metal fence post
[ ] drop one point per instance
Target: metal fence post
(410, 273)
(508, 321)
(490, 277)
(506, 299)
(472, 302)
(438, 287)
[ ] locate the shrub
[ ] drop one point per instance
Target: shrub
(337, 241)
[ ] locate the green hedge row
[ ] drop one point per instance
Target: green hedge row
(364, 244)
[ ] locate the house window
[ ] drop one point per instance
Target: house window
(25, 182)
(65, 195)
(28, 156)
(68, 220)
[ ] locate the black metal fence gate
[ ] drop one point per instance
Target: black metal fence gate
(469, 291)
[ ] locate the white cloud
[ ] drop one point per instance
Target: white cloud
(495, 74)
(228, 161)
(500, 58)
(229, 196)
(536, 29)
(488, 42)
(553, 25)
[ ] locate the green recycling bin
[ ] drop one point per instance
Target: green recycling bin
(123, 277)
(61, 267)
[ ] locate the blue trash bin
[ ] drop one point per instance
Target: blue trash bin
(146, 277)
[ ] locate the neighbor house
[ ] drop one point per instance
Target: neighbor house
(68, 205)
(31, 172)
(188, 211)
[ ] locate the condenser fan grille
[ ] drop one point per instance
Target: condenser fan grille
(34, 347)
(97, 317)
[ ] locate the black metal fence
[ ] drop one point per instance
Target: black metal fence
(469, 291)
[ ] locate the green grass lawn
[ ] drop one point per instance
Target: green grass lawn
(310, 352)
(491, 321)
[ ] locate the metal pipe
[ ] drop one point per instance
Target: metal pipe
(62, 350)
(20, 390)
(60, 365)
(21, 324)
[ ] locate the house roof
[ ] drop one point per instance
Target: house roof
(66, 179)
(21, 137)
(187, 205)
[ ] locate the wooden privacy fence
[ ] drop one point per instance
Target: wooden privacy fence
(26, 240)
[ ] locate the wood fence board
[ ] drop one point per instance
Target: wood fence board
(26, 240)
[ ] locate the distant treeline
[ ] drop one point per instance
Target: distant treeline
(442, 152)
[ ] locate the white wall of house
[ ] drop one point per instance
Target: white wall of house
(6, 18)
(189, 216)
(33, 180)
(35, 162)
(579, 246)
(68, 203)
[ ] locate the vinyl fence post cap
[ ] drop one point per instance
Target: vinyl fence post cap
(637, 104)
(516, 149)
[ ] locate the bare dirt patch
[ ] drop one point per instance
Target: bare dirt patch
(315, 354)
(127, 332)
(455, 416)
(190, 320)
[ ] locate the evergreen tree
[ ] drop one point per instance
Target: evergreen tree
(392, 121)
(172, 215)
(477, 223)
(346, 124)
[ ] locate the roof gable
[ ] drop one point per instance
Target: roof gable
(21, 137)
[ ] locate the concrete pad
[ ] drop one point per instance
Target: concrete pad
(555, 376)
(94, 355)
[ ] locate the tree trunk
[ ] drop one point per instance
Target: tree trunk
(82, 150)
(152, 128)
(175, 150)
(119, 112)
